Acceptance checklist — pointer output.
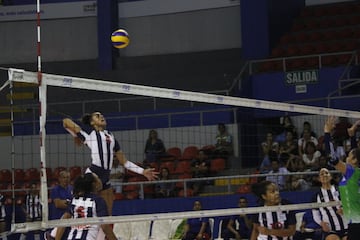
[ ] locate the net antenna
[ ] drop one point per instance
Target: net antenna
(19, 75)
(42, 122)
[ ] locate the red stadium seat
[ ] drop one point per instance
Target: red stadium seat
(19, 175)
(188, 193)
(174, 151)
(217, 165)
(183, 167)
(190, 152)
(180, 185)
(5, 176)
(57, 171)
(32, 175)
(168, 165)
(75, 171)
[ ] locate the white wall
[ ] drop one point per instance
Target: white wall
(183, 32)
(76, 38)
(61, 40)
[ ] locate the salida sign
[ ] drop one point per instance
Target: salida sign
(302, 77)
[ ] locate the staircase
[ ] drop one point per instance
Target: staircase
(24, 96)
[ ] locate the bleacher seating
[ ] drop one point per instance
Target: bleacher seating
(330, 28)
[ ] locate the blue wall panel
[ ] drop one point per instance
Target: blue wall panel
(272, 86)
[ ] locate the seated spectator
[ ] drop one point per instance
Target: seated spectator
(165, 189)
(280, 180)
(33, 209)
(307, 127)
(300, 182)
(287, 126)
(154, 148)
(311, 155)
(289, 145)
(267, 146)
(200, 168)
(224, 143)
(117, 174)
(304, 139)
(309, 229)
(197, 228)
(239, 226)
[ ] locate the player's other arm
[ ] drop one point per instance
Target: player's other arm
(328, 128)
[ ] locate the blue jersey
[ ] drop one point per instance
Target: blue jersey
(87, 206)
(58, 192)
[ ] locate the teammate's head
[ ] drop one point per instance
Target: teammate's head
(267, 192)
(95, 120)
(86, 184)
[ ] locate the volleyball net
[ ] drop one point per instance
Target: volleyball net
(187, 122)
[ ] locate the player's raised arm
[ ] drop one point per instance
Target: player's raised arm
(149, 173)
(334, 160)
(73, 129)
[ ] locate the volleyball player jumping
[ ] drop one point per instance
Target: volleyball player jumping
(103, 146)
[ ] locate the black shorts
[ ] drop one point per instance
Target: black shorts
(353, 231)
(340, 234)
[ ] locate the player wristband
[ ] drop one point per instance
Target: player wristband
(133, 167)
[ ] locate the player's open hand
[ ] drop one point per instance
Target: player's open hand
(330, 124)
(151, 174)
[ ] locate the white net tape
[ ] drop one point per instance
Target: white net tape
(98, 85)
(25, 227)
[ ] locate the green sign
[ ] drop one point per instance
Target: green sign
(302, 77)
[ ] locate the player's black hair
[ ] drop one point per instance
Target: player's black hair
(86, 119)
(259, 189)
(84, 184)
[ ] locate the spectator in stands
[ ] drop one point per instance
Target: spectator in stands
(299, 182)
(289, 145)
(331, 219)
(164, 189)
(281, 179)
(197, 228)
(61, 195)
(304, 139)
(287, 126)
(268, 146)
(238, 226)
(116, 175)
(307, 127)
(154, 148)
(200, 167)
(311, 155)
(269, 225)
(224, 143)
(33, 209)
(309, 229)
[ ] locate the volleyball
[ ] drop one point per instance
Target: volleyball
(120, 38)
